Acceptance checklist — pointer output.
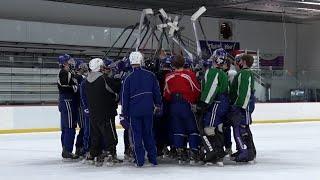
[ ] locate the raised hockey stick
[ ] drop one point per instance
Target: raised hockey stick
(194, 18)
(173, 28)
(142, 17)
(204, 36)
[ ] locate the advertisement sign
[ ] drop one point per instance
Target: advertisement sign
(228, 46)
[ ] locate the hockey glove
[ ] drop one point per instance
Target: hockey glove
(124, 122)
(158, 111)
(202, 107)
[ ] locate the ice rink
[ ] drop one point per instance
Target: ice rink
(285, 152)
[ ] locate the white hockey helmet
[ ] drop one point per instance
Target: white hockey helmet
(136, 58)
(95, 64)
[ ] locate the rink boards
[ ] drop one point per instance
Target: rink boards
(21, 119)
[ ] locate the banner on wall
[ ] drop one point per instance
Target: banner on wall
(272, 61)
(213, 45)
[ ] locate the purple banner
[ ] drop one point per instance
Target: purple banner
(213, 45)
(274, 62)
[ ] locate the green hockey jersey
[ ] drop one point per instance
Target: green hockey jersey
(215, 83)
(241, 88)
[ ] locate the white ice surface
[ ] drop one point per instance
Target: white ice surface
(285, 152)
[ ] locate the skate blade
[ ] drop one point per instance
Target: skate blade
(70, 160)
(180, 162)
(246, 163)
(128, 161)
(87, 162)
(148, 164)
(196, 163)
(98, 164)
(109, 164)
(220, 164)
(217, 164)
(193, 163)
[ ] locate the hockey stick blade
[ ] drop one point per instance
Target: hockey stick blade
(197, 14)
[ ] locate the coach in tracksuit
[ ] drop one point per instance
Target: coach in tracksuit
(68, 87)
(140, 98)
(102, 94)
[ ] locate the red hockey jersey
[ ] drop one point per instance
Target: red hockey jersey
(182, 82)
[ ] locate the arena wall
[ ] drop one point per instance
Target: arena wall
(16, 119)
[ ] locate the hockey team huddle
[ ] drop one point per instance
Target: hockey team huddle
(174, 113)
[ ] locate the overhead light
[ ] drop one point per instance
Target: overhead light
(308, 2)
(308, 9)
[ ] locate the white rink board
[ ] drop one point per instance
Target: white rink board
(30, 117)
(286, 111)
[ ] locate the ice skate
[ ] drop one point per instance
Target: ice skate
(88, 159)
(165, 153)
(220, 162)
(181, 156)
(173, 153)
(194, 158)
(116, 160)
(228, 152)
(98, 161)
(67, 156)
(108, 159)
(234, 155)
(80, 153)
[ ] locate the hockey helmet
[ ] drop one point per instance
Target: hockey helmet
(96, 64)
(219, 56)
(64, 58)
(136, 58)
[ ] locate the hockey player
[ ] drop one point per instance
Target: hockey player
(86, 122)
(187, 63)
(140, 99)
(67, 86)
(231, 72)
(81, 69)
(102, 94)
(214, 103)
(162, 128)
(182, 91)
(242, 89)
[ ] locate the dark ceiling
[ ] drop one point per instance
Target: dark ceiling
(265, 10)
